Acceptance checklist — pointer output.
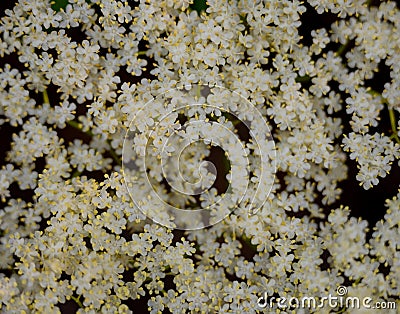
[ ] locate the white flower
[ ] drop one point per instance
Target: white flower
(74, 225)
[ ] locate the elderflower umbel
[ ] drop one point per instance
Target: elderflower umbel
(75, 224)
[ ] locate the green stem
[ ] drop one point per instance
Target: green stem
(303, 79)
(356, 282)
(342, 49)
(342, 310)
(77, 301)
(45, 97)
(391, 114)
(74, 124)
(115, 156)
(78, 126)
(393, 124)
(249, 245)
(198, 92)
(76, 174)
(375, 93)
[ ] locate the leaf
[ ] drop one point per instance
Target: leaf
(57, 5)
(199, 6)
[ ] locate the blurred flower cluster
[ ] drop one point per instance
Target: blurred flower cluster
(75, 74)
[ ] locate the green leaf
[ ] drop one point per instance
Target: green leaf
(57, 5)
(199, 5)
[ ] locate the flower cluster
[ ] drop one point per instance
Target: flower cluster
(77, 78)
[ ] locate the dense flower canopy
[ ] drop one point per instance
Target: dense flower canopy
(253, 113)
